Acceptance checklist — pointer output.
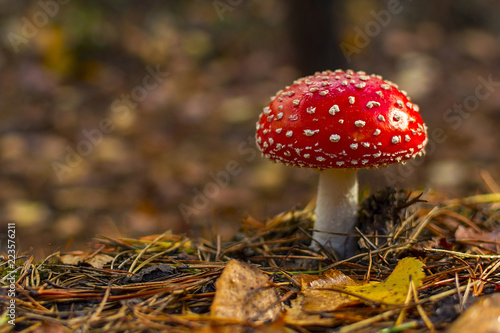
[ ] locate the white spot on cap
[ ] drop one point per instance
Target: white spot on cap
(345, 83)
(320, 158)
(409, 105)
(351, 99)
(311, 109)
(340, 163)
(267, 110)
(287, 153)
(365, 144)
(313, 89)
(334, 138)
(265, 145)
(381, 117)
(377, 132)
(396, 139)
(296, 102)
(354, 162)
(278, 130)
(334, 109)
(289, 133)
(307, 155)
(341, 121)
(279, 115)
(379, 93)
(377, 154)
(364, 162)
(360, 85)
(371, 104)
(323, 93)
(308, 132)
(360, 123)
(400, 103)
(407, 138)
(354, 146)
(385, 86)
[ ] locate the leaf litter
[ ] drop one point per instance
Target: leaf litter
(413, 271)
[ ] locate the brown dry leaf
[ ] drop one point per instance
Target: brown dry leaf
(296, 316)
(487, 240)
(243, 292)
(481, 317)
(79, 257)
(315, 298)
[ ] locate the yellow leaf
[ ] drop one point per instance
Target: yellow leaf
(395, 288)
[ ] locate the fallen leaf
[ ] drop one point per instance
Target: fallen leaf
(80, 257)
(395, 288)
(244, 292)
(487, 240)
(315, 299)
(481, 317)
(295, 315)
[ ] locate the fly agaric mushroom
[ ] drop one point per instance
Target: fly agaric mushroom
(339, 122)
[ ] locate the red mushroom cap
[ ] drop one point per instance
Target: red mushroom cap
(341, 120)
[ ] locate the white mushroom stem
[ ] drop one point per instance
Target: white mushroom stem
(336, 210)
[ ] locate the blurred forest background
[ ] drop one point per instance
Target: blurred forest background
(127, 118)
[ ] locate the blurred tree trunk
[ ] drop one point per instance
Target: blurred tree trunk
(313, 33)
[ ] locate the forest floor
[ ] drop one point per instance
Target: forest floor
(267, 279)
